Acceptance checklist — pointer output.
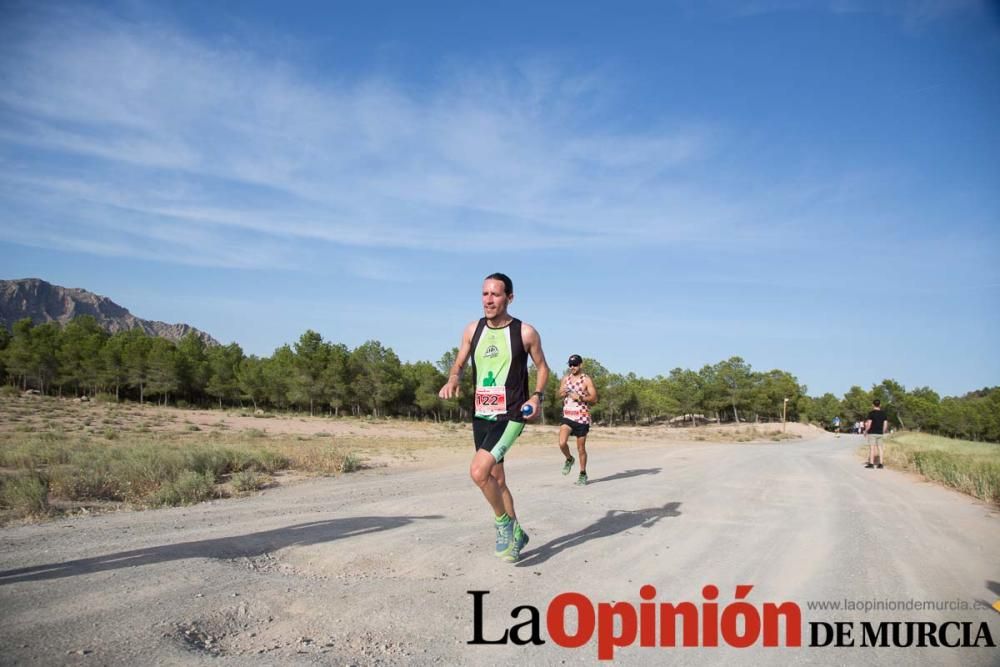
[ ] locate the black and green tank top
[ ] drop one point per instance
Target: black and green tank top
(500, 364)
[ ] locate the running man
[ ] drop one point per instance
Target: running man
(875, 432)
(499, 346)
(578, 393)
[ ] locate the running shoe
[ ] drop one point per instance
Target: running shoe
(520, 540)
(505, 537)
(568, 465)
(582, 479)
(869, 465)
(879, 466)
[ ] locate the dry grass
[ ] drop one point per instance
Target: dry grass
(102, 453)
(68, 454)
(970, 467)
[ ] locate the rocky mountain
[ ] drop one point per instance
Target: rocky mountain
(44, 302)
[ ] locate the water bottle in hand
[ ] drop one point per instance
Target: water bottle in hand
(527, 410)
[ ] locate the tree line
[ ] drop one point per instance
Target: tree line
(323, 377)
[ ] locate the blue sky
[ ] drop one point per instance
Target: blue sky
(814, 186)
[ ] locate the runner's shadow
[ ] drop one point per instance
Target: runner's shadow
(612, 523)
(240, 546)
(625, 474)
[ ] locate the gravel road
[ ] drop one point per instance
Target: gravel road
(374, 567)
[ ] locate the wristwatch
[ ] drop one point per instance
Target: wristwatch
(540, 395)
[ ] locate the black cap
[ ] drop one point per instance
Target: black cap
(575, 360)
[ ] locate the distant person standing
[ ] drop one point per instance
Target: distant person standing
(876, 428)
(578, 393)
(499, 346)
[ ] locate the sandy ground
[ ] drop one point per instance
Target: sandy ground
(375, 567)
(405, 429)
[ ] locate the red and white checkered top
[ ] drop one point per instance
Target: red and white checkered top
(572, 409)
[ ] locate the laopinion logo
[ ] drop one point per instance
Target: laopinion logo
(572, 620)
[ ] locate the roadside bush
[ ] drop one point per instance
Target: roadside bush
(350, 463)
(316, 456)
(190, 487)
(144, 469)
(25, 493)
(269, 461)
(92, 482)
(36, 450)
(246, 481)
(217, 461)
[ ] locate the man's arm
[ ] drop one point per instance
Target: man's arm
(533, 346)
(562, 387)
(450, 388)
(591, 396)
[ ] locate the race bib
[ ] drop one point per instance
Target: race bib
(572, 412)
(491, 401)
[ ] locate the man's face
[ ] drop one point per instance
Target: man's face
(575, 369)
(495, 302)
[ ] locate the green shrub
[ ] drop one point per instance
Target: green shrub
(37, 450)
(216, 461)
(350, 463)
(190, 487)
(269, 461)
(249, 480)
(92, 482)
(139, 472)
(25, 493)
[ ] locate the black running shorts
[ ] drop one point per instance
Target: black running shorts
(576, 429)
(487, 433)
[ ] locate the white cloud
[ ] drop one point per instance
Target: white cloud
(233, 159)
(159, 134)
(914, 15)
